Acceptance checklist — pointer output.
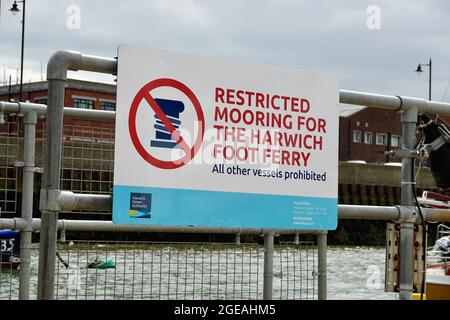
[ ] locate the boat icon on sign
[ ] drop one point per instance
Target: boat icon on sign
(172, 110)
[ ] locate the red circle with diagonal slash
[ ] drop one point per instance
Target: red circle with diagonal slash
(144, 94)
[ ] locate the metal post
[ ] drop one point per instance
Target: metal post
(322, 266)
(22, 51)
(27, 203)
(268, 265)
(297, 239)
(57, 68)
(429, 83)
(406, 250)
(49, 219)
(238, 239)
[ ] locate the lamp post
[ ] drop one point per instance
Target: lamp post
(15, 10)
(419, 71)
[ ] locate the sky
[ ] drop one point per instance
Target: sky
(371, 46)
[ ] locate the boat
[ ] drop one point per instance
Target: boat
(437, 264)
(437, 272)
(9, 250)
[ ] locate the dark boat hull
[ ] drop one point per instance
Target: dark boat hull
(5, 266)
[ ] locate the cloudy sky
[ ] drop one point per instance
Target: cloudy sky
(371, 46)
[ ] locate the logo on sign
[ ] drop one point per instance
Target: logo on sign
(140, 205)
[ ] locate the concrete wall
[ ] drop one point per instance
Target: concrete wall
(379, 174)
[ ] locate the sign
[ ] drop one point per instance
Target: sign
(214, 143)
(9, 248)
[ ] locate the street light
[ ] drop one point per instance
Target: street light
(419, 71)
(15, 10)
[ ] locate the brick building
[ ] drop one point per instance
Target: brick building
(367, 133)
(78, 94)
(88, 150)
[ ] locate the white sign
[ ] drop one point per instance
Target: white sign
(209, 142)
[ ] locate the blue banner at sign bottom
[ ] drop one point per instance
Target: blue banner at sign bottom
(179, 207)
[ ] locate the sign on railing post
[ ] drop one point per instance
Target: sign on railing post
(213, 143)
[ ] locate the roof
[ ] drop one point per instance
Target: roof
(71, 83)
(348, 111)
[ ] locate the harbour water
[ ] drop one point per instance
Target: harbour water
(357, 273)
(354, 273)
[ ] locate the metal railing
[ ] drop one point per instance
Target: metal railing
(169, 270)
(54, 200)
(148, 270)
(9, 153)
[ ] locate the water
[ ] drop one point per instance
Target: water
(204, 273)
(357, 273)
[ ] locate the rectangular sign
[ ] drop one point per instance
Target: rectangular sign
(216, 143)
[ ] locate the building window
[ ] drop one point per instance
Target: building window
(396, 141)
(108, 105)
(83, 103)
(381, 139)
(368, 137)
(356, 136)
(358, 123)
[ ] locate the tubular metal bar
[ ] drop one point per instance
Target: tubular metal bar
(21, 108)
(346, 96)
(69, 201)
(368, 212)
(322, 265)
(345, 212)
(57, 68)
(12, 224)
(27, 203)
(433, 215)
(108, 226)
(268, 265)
(406, 249)
(104, 226)
(397, 103)
(369, 100)
(51, 178)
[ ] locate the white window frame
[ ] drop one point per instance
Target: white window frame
(384, 135)
(108, 101)
(399, 141)
(86, 99)
(366, 134)
(356, 138)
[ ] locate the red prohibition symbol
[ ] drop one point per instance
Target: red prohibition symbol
(145, 95)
